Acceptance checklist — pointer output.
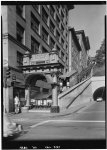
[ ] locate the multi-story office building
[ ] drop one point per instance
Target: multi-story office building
(33, 28)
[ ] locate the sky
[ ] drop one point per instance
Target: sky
(89, 18)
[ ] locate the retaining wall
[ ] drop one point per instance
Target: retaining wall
(73, 95)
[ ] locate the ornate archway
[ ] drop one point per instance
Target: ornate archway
(38, 86)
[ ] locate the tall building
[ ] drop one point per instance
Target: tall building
(36, 29)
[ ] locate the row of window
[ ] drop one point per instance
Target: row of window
(45, 35)
(63, 16)
(45, 18)
(35, 47)
(35, 25)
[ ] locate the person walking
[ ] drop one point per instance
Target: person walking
(17, 104)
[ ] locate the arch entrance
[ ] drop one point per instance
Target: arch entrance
(38, 90)
(47, 63)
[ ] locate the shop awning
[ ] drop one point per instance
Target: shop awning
(68, 74)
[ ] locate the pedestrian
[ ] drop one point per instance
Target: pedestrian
(17, 104)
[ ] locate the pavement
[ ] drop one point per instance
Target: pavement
(28, 119)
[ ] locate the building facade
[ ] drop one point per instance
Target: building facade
(85, 46)
(34, 28)
(74, 51)
(78, 56)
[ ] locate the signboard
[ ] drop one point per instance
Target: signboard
(40, 59)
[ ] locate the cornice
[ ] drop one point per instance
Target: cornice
(11, 38)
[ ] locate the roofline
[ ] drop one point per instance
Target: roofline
(75, 38)
(85, 38)
(87, 42)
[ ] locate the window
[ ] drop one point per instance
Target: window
(52, 11)
(62, 29)
(52, 43)
(66, 60)
(57, 35)
(34, 46)
(66, 36)
(66, 13)
(44, 16)
(62, 15)
(57, 21)
(52, 27)
(67, 48)
(19, 33)
(19, 10)
(44, 50)
(58, 7)
(62, 42)
(58, 49)
(62, 55)
(34, 23)
(36, 7)
(66, 22)
(44, 35)
(19, 58)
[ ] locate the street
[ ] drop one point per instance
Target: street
(88, 123)
(84, 127)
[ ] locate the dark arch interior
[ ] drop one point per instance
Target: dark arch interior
(100, 92)
(32, 79)
(36, 91)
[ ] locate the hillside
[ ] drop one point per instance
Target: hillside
(99, 70)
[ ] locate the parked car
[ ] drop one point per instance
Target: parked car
(99, 99)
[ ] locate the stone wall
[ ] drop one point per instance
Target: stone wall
(67, 98)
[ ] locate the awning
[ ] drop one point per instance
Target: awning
(43, 84)
(68, 74)
(41, 96)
